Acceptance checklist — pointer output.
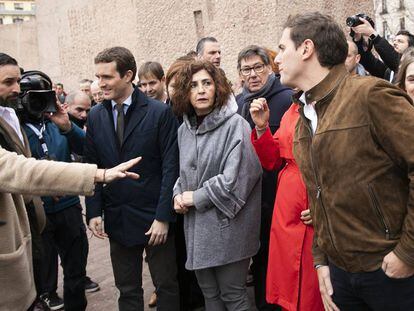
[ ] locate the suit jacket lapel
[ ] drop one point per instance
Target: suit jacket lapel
(27, 153)
(15, 139)
(136, 112)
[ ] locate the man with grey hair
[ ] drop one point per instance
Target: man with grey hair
(78, 104)
(85, 86)
(208, 48)
(97, 93)
(255, 70)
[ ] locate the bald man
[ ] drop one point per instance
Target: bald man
(352, 60)
(78, 104)
(97, 92)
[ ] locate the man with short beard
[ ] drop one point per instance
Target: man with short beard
(17, 290)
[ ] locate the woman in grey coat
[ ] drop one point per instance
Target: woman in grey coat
(219, 188)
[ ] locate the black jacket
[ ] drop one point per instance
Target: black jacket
(130, 206)
(279, 100)
(390, 58)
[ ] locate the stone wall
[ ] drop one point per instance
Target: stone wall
(71, 33)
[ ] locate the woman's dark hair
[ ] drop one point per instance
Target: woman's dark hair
(175, 68)
(184, 77)
(406, 59)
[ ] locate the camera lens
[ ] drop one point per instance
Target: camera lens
(37, 103)
(352, 21)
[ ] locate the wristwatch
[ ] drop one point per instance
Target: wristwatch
(373, 36)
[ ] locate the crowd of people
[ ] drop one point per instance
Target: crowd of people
(299, 175)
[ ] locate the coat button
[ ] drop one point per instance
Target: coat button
(193, 167)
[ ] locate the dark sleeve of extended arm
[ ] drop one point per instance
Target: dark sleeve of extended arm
(167, 140)
(76, 139)
(371, 64)
(388, 54)
(94, 203)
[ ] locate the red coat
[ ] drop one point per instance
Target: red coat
(291, 278)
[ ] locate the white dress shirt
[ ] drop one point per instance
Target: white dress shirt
(126, 105)
(309, 112)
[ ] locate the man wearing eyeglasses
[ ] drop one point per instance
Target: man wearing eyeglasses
(260, 81)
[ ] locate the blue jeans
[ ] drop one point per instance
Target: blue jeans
(371, 291)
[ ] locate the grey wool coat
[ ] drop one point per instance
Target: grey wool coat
(218, 163)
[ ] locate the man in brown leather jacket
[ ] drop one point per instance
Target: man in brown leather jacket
(354, 144)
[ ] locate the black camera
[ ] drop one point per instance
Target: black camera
(354, 20)
(37, 102)
(36, 95)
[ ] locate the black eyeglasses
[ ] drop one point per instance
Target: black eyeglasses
(245, 71)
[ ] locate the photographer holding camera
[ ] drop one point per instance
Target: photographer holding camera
(20, 179)
(363, 32)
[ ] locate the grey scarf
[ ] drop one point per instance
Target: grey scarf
(249, 97)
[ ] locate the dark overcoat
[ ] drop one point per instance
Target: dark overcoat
(130, 206)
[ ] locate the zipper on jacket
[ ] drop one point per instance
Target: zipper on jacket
(318, 187)
(379, 212)
(318, 193)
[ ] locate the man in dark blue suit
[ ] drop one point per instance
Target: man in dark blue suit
(137, 213)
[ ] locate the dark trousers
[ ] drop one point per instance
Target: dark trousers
(65, 234)
(371, 291)
(259, 265)
(37, 248)
(191, 296)
(127, 267)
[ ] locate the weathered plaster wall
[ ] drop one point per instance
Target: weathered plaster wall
(20, 41)
(71, 33)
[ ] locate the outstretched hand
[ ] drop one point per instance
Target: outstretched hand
(118, 172)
